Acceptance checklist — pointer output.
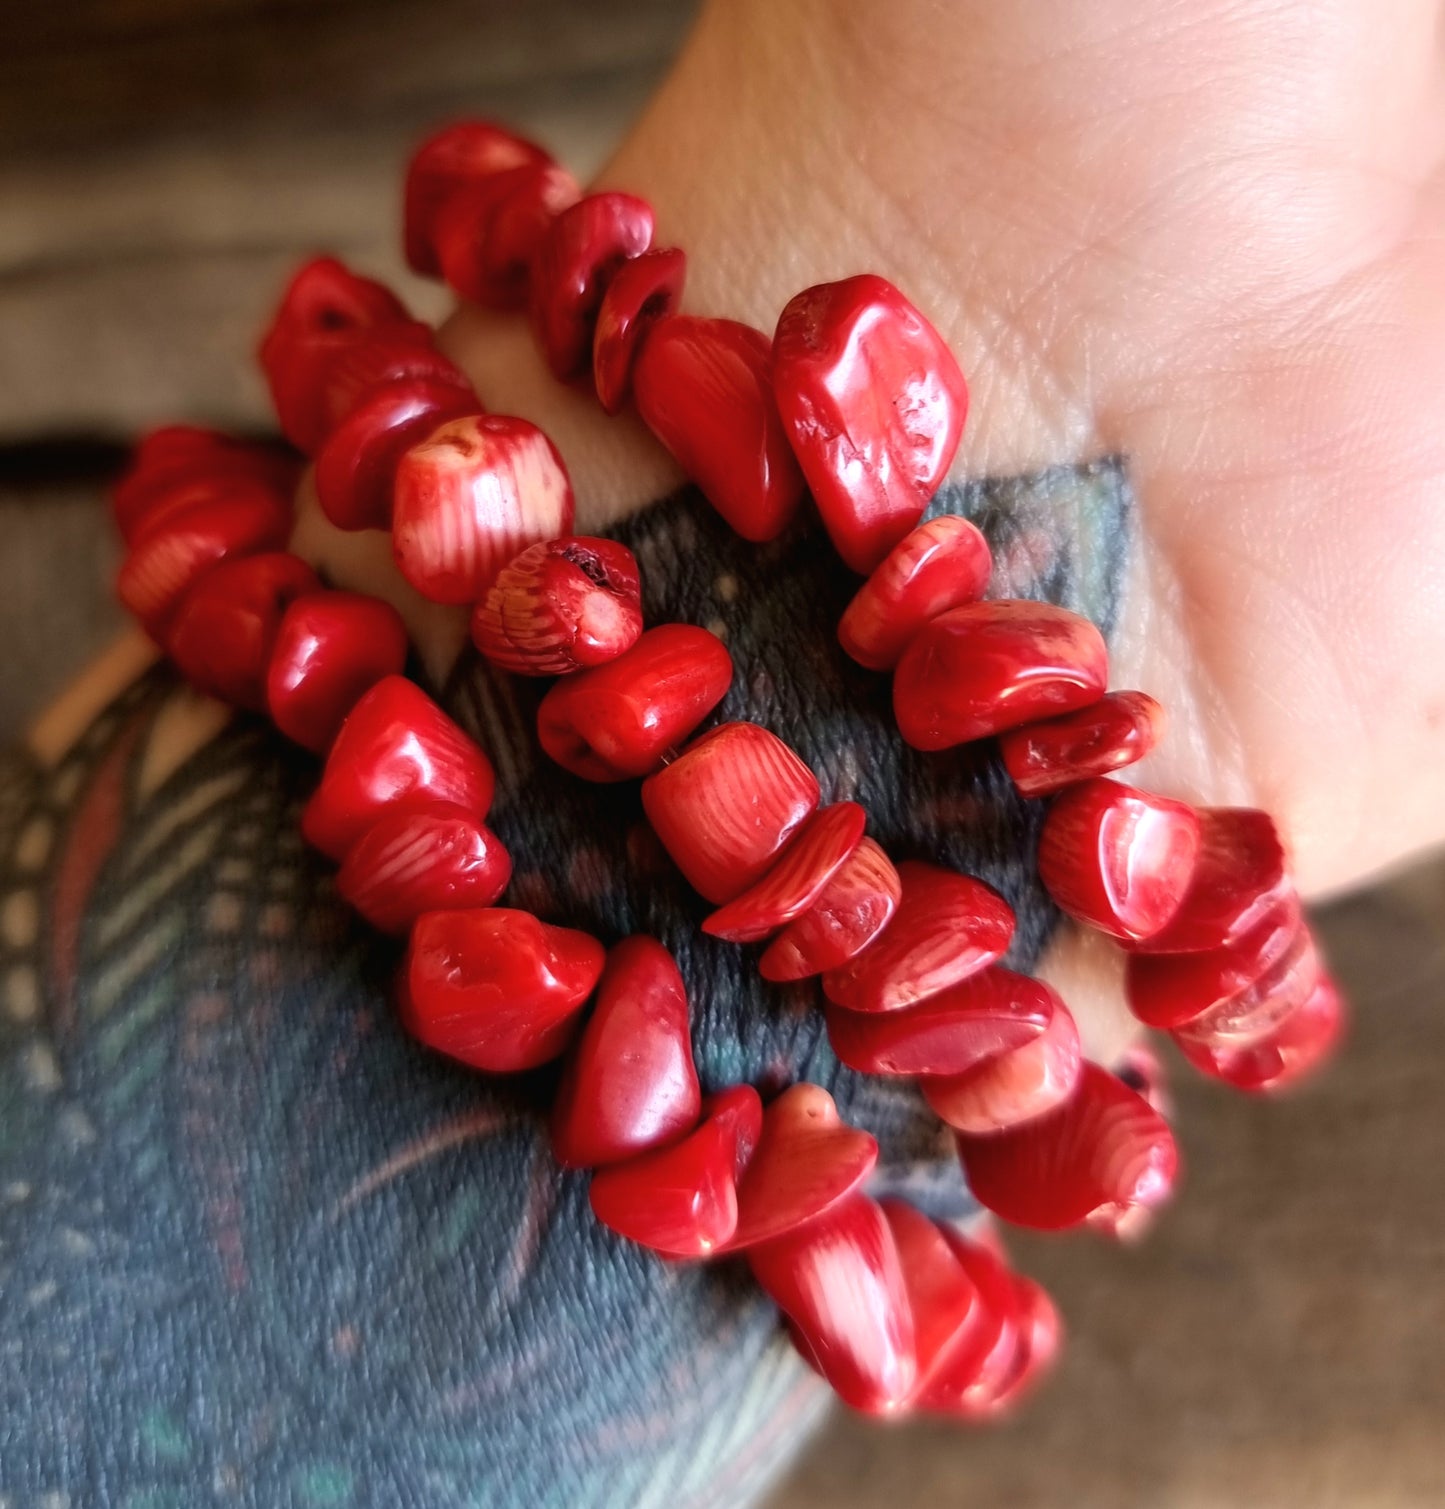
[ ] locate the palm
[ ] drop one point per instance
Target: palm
(1204, 237)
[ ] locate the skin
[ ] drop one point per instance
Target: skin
(1203, 238)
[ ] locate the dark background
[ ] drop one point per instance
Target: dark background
(1280, 1340)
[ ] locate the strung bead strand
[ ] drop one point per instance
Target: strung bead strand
(856, 402)
(402, 804)
(858, 397)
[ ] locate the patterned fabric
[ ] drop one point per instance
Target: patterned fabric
(257, 1248)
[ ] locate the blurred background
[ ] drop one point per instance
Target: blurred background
(1280, 1339)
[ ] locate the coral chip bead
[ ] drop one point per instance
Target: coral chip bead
(1256, 1012)
(488, 232)
(330, 647)
(323, 299)
(817, 851)
(372, 359)
(1040, 1335)
(941, 565)
(241, 519)
(806, 1160)
(560, 605)
(1297, 1046)
(221, 636)
(1169, 990)
(179, 464)
(681, 1200)
(986, 667)
(496, 988)
(1008, 1089)
(426, 859)
(1107, 735)
(643, 290)
(356, 465)
(987, 1015)
(1117, 858)
(326, 314)
(725, 808)
(472, 495)
(943, 1298)
(849, 913)
(630, 1083)
(874, 405)
(1239, 878)
(966, 1379)
(701, 386)
(1101, 1154)
(465, 153)
(575, 260)
(948, 926)
(618, 720)
(840, 1284)
(396, 750)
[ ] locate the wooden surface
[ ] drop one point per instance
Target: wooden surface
(1280, 1340)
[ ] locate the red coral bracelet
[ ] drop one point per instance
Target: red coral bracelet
(857, 401)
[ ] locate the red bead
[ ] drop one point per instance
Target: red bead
(942, 564)
(618, 720)
(630, 1083)
(850, 912)
(986, 667)
(325, 312)
(425, 859)
(325, 298)
(221, 636)
(1117, 858)
(1040, 1335)
(1169, 990)
(644, 290)
(397, 751)
(371, 360)
(330, 647)
(560, 605)
(356, 467)
(702, 387)
(805, 1162)
(1109, 734)
(948, 927)
(942, 1297)
(241, 519)
(1297, 1047)
(1013, 1087)
(874, 405)
(462, 154)
(841, 1286)
(682, 1200)
(1239, 879)
(471, 496)
(1104, 1152)
(496, 988)
(1257, 1012)
(967, 1379)
(575, 260)
(992, 1013)
(487, 233)
(182, 464)
(810, 861)
(726, 807)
